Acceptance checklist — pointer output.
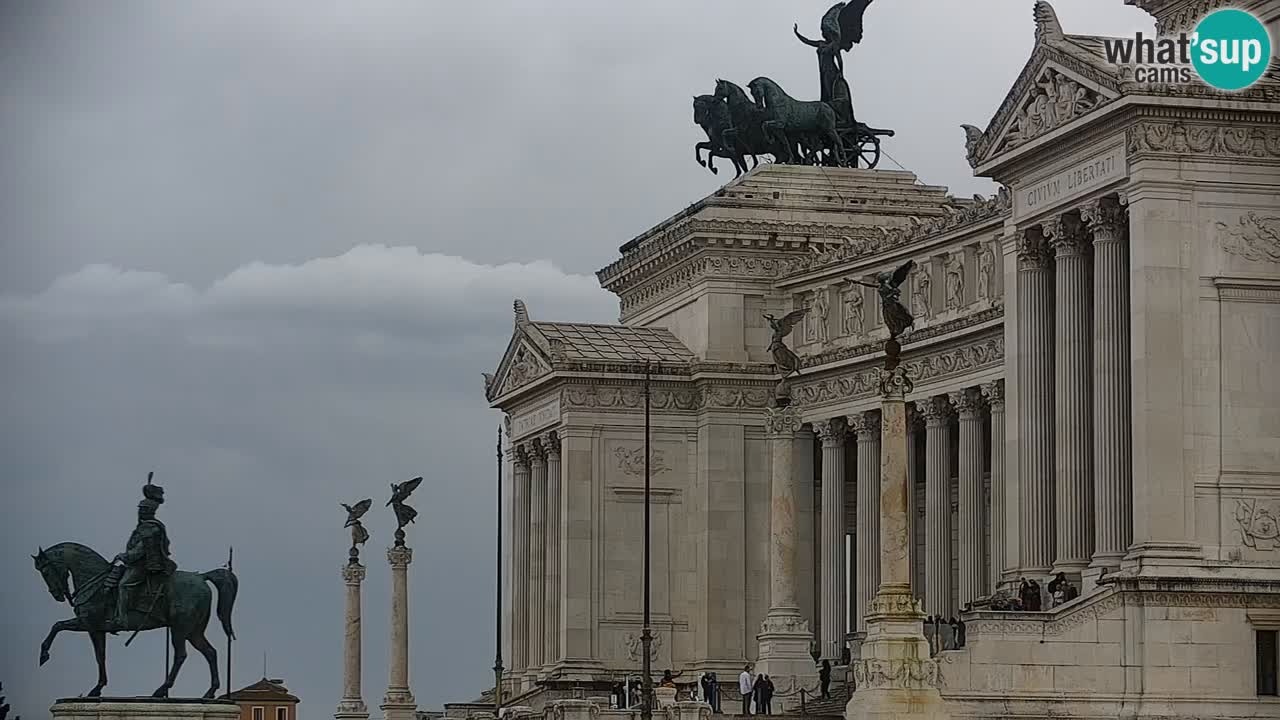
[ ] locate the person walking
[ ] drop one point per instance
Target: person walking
(746, 686)
(824, 677)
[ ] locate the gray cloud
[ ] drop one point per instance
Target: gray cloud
(266, 248)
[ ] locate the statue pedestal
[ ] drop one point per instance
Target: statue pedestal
(895, 677)
(144, 709)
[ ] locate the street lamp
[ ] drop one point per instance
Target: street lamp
(646, 636)
(497, 662)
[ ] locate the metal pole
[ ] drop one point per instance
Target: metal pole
(646, 636)
(230, 556)
(497, 662)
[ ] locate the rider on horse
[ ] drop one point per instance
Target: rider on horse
(144, 564)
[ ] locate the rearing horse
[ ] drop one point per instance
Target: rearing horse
(185, 610)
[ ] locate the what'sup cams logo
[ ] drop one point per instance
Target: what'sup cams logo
(1229, 50)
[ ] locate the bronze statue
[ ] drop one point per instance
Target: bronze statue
(896, 315)
(841, 30)
(712, 115)
(404, 514)
(140, 590)
(359, 535)
(145, 560)
(784, 357)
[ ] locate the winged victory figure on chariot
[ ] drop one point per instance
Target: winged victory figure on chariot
(771, 122)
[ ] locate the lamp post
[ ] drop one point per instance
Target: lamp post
(646, 636)
(497, 661)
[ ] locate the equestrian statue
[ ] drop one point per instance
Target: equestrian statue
(140, 589)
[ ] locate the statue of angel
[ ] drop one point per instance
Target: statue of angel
(399, 493)
(841, 30)
(359, 535)
(784, 357)
(896, 315)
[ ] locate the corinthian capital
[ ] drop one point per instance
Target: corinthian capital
(936, 410)
(968, 402)
(866, 424)
(1106, 218)
(1066, 234)
(782, 420)
(994, 393)
(550, 442)
(1033, 250)
(831, 432)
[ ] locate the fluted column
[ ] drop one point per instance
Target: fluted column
(520, 561)
(972, 538)
(915, 426)
(994, 394)
(937, 514)
(551, 623)
(398, 703)
(1112, 426)
(537, 554)
(1074, 393)
(352, 706)
(833, 599)
(1035, 404)
(867, 427)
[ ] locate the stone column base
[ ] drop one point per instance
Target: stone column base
(784, 648)
(895, 677)
(144, 709)
(400, 711)
(351, 709)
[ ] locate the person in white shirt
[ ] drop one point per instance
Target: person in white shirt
(746, 684)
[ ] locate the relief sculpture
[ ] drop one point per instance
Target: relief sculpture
(631, 462)
(1259, 528)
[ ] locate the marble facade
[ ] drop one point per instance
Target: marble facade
(1090, 397)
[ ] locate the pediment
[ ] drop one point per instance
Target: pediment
(1052, 98)
(1065, 79)
(523, 363)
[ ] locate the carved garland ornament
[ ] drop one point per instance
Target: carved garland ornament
(1255, 238)
(902, 674)
(687, 400)
(1214, 140)
(633, 642)
(631, 462)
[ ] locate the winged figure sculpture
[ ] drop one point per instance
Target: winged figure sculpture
(399, 493)
(896, 315)
(784, 357)
(359, 535)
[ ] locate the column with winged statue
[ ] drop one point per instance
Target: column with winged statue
(398, 703)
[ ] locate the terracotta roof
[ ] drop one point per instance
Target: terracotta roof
(578, 341)
(265, 689)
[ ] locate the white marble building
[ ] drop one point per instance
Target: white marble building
(1095, 394)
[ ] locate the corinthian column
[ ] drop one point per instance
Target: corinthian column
(1035, 403)
(537, 555)
(994, 394)
(520, 561)
(784, 635)
(1112, 448)
(867, 427)
(937, 513)
(551, 623)
(971, 540)
(1074, 394)
(915, 495)
(832, 434)
(398, 703)
(352, 706)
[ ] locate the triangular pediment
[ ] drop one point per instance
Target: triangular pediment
(527, 359)
(1065, 79)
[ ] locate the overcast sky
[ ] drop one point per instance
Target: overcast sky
(265, 248)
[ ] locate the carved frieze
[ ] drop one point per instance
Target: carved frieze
(1258, 522)
(870, 348)
(1254, 237)
(633, 643)
(866, 382)
(900, 673)
(631, 461)
(628, 398)
(526, 366)
(1177, 138)
(1054, 99)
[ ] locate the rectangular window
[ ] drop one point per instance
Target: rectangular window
(259, 713)
(282, 713)
(1268, 656)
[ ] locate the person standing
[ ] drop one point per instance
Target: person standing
(824, 677)
(766, 692)
(746, 686)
